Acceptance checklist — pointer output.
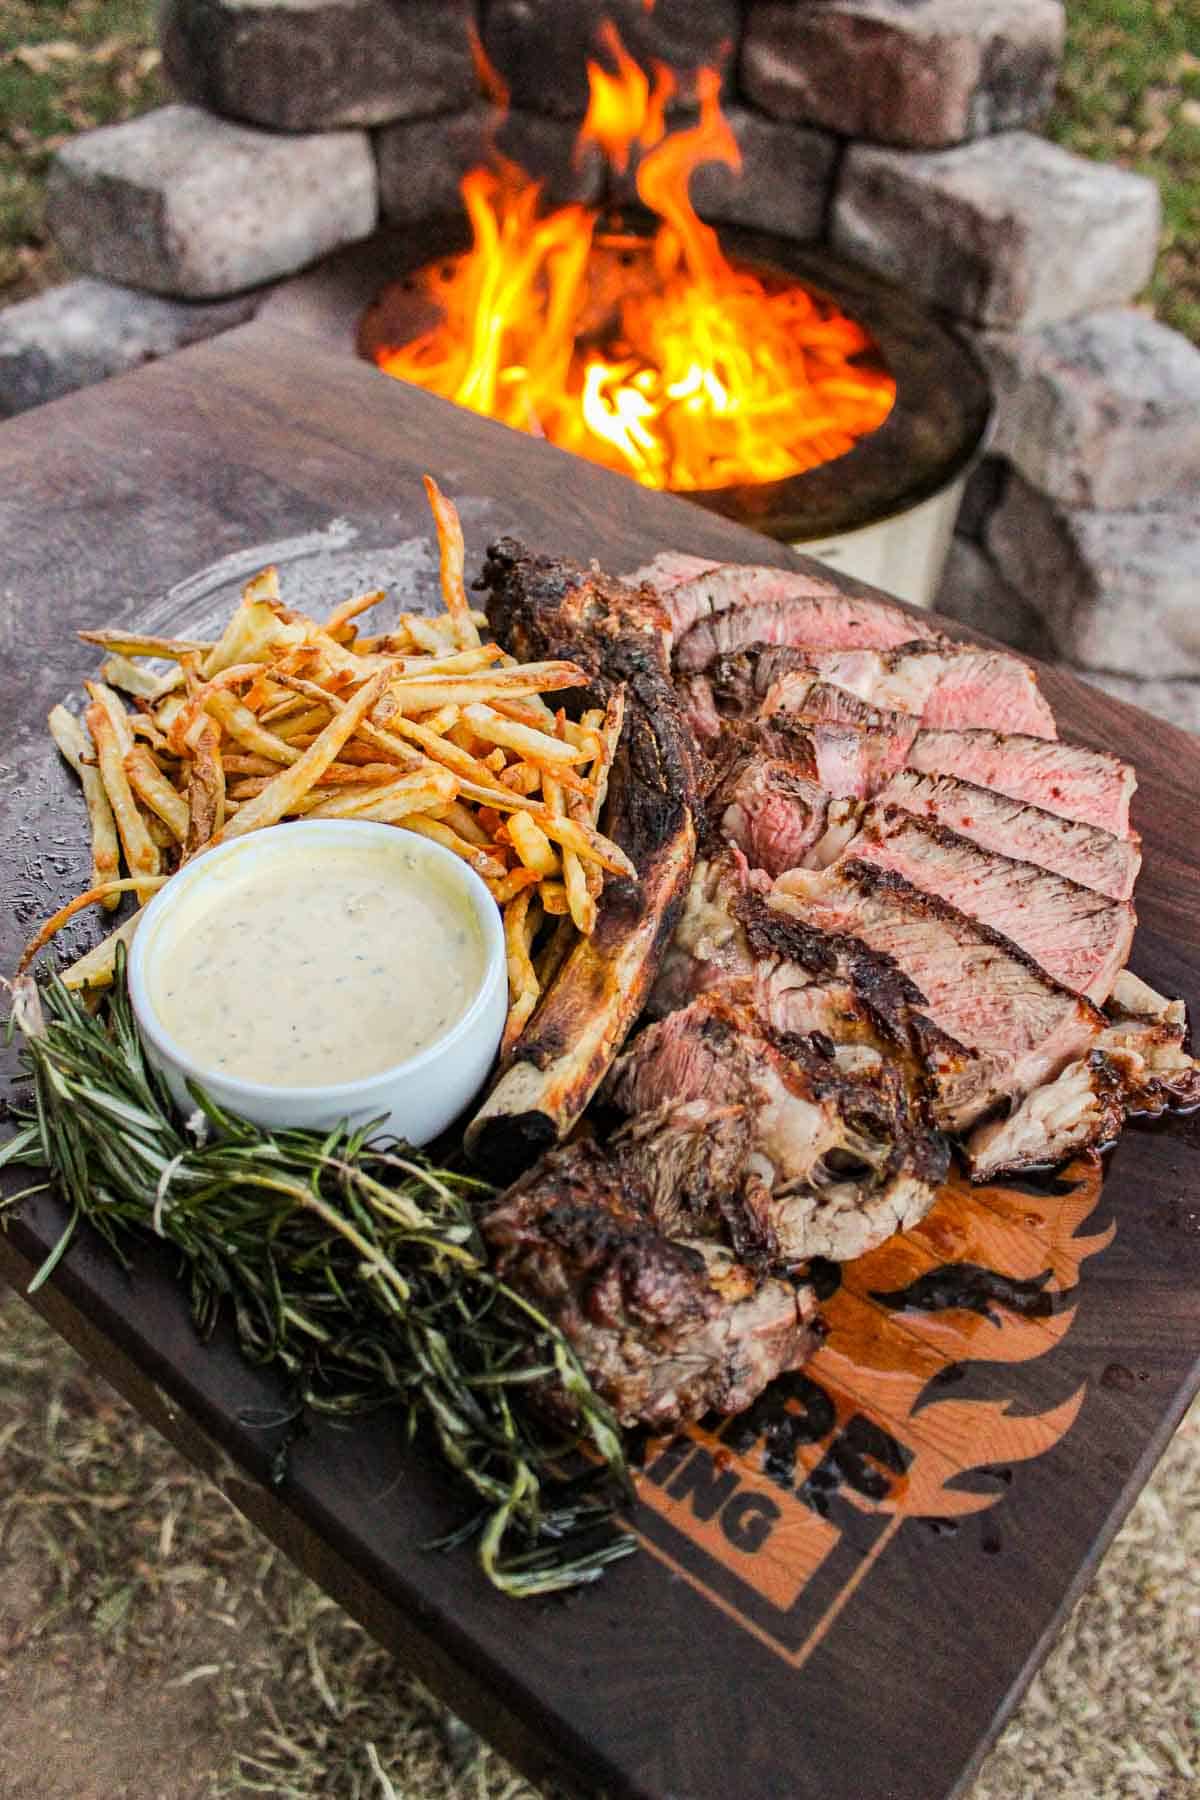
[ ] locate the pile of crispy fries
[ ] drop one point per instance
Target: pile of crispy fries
(425, 727)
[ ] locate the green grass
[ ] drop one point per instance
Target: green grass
(65, 65)
(1130, 94)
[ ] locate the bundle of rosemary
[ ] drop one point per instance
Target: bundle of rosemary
(353, 1265)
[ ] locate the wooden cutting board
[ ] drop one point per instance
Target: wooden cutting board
(841, 1594)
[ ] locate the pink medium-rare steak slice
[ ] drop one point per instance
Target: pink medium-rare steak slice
(1084, 853)
(668, 570)
(1080, 938)
(941, 685)
(1085, 785)
(779, 818)
(665, 1329)
(1019, 1027)
(725, 608)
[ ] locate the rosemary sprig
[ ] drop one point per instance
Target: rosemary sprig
(352, 1264)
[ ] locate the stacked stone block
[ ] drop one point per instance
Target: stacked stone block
(902, 132)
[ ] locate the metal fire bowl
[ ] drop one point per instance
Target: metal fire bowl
(933, 432)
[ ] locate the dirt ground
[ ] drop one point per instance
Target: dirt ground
(153, 1646)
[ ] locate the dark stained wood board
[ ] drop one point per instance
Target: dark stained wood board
(685, 1672)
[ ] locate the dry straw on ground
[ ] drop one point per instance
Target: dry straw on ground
(154, 1647)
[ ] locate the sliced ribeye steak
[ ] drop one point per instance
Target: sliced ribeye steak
(1079, 937)
(796, 979)
(1140, 1064)
(1086, 785)
(942, 685)
(1017, 1027)
(722, 609)
(1093, 857)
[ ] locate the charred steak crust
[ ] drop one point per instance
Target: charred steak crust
(665, 1329)
(539, 604)
(881, 986)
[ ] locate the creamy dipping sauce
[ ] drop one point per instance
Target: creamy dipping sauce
(306, 970)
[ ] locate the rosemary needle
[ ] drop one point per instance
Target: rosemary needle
(352, 1264)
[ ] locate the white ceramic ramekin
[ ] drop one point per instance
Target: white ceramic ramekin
(416, 1099)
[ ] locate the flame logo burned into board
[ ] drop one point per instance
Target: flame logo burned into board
(778, 1516)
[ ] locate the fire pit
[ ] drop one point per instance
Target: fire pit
(777, 387)
(881, 507)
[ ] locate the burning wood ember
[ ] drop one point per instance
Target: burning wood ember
(654, 355)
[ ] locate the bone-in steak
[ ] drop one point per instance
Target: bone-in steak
(543, 607)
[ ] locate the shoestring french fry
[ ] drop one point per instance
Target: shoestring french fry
(206, 785)
(419, 791)
(520, 927)
(580, 903)
(141, 853)
(534, 746)
(532, 845)
(453, 561)
(65, 914)
(67, 733)
(120, 672)
(294, 781)
(489, 867)
(193, 741)
(95, 968)
(151, 786)
(348, 610)
(239, 723)
(419, 694)
(125, 643)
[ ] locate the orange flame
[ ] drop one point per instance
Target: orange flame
(489, 80)
(623, 109)
(654, 356)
